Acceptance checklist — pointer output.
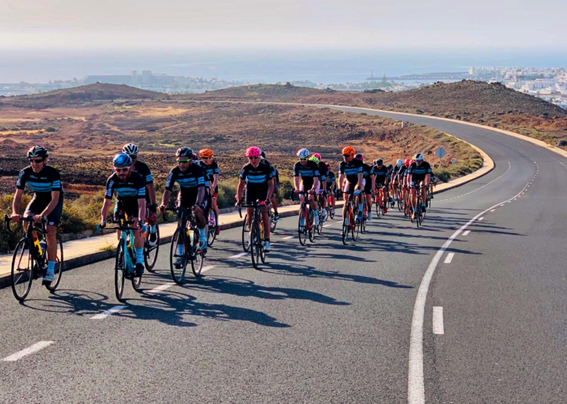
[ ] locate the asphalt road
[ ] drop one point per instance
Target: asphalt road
(327, 323)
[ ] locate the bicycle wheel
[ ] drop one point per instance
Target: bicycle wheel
(119, 270)
(151, 252)
(273, 223)
(178, 271)
(262, 252)
(59, 268)
(22, 268)
(302, 229)
(255, 245)
(245, 235)
(212, 236)
(197, 257)
(354, 227)
(418, 213)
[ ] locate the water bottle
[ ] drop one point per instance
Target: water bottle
(43, 246)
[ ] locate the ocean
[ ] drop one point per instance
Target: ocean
(265, 66)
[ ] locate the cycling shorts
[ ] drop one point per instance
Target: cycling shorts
(128, 206)
(350, 187)
(36, 206)
(255, 194)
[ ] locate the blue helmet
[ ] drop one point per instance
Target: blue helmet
(122, 160)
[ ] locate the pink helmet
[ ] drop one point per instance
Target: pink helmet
(317, 155)
(253, 151)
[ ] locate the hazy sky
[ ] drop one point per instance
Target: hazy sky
(109, 24)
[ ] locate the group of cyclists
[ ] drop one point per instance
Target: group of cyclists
(197, 176)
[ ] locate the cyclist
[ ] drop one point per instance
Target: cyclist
(405, 185)
(433, 179)
(276, 181)
(369, 183)
(190, 177)
(351, 178)
(130, 190)
(390, 168)
(419, 173)
(331, 186)
(306, 177)
(395, 180)
(211, 168)
(256, 176)
(381, 176)
(323, 172)
(47, 201)
(141, 168)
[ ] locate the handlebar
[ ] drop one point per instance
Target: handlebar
(123, 225)
(29, 219)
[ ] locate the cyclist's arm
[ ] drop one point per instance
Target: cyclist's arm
(241, 185)
(316, 183)
(201, 194)
(360, 178)
(55, 195)
(427, 179)
(17, 201)
(141, 210)
(104, 210)
(373, 183)
(215, 181)
(296, 183)
(341, 181)
(165, 197)
(151, 192)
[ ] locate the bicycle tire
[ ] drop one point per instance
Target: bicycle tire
(59, 266)
(255, 245)
(273, 223)
(22, 276)
(418, 213)
(119, 271)
(302, 230)
(197, 257)
(262, 252)
(354, 227)
(178, 274)
(212, 236)
(245, 232)
(151, 252)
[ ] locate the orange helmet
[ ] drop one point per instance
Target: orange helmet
(349, 151)
(206, 153)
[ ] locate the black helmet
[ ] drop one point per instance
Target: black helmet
(184, 152)
(37, 151)
(390, 166)
(378, 162)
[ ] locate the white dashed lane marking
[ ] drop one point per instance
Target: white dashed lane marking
(438, 326)
(449, 258)
(242, 254)
(161, 288)
(108, 312)
(466, 233)
(287, 238)
(38, 346)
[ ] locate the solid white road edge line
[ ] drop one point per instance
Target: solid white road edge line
(449, 258)
(416, 387)
(38, 346)
(438, 326)
(108, 312)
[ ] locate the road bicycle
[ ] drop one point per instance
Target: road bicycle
(185, 236)
(305, 228)
(151, 248)
(417, 215)
(330, 210)
(379, 201)
(29, 261)
(213, 225)
(349, 221)
(256, 247)
(125, 263)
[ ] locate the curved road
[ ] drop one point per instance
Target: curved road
(328, 323)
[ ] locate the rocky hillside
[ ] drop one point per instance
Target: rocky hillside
(78, 95)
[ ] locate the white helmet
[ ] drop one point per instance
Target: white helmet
(130, 149)
(303, 153)
(400, 162)
(418, 157)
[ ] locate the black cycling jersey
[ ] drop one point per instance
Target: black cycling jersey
(210, 170)
(351, 170)
(307, 172)
(323, 172)
(257, 178)
(330, 177)
(133, 188)
(189, 180)
(418, 173)
(367, 171)
(42, 183)
(381, 174)
(144, 171)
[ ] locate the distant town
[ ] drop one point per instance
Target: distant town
(549, 84)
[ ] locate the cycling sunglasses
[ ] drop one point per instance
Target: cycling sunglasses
(254, 158)
(37, 161)
(184, 161)
(119, 170)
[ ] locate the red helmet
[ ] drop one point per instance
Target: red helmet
(253, 151)
(317, 155)
(407, 162)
